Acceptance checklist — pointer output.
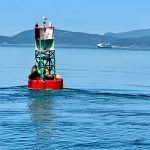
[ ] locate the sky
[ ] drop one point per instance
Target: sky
(89, 16)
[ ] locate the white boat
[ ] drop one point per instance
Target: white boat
(104, 45)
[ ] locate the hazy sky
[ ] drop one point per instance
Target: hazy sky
(91, 16)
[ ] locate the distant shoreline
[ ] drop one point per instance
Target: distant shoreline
(74, 46)
(63, 46)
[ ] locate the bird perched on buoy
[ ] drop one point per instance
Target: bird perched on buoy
(44, 18)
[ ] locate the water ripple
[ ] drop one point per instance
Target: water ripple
(73, 119)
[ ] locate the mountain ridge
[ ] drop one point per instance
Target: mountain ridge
(136, 38)
(130, 34)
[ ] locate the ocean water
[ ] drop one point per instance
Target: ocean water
(105, 103)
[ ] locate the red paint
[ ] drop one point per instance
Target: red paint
(29, 83)
(40, 84)
(36, 84)
(55, 84)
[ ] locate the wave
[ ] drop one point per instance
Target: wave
(78, 92)
(99, 92)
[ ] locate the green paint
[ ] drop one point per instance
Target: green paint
(40, 69)
(45, 44)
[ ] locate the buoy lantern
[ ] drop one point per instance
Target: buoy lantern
(43, 74)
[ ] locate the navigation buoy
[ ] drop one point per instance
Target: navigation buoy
(43, 74)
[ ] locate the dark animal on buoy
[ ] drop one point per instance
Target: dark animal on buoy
(34, 73)
(48, 76)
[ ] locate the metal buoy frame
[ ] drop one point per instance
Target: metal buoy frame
(43, 74)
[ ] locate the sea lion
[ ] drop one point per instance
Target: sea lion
(34, 73)
(47, 76)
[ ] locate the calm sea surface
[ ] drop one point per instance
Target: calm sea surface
(105, 104)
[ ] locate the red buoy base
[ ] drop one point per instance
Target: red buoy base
(38, 84)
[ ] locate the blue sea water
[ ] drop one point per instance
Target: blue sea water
(105, 104)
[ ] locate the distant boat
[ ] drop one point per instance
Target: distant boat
(104, 45)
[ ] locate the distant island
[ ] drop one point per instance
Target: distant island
(134, 39)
